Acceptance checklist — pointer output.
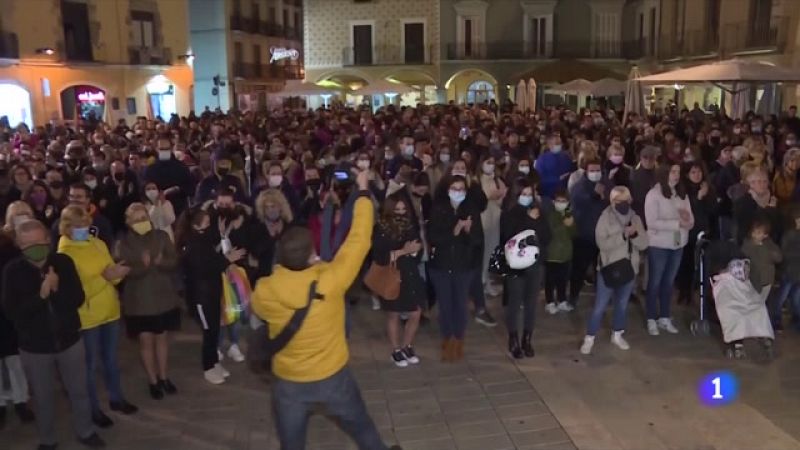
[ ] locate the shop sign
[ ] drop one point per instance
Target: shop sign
(89, 96)
(279, 53)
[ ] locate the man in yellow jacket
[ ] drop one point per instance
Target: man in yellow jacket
(312, 368)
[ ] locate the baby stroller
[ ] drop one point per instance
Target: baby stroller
(741, 309)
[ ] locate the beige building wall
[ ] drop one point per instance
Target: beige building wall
(37, 24)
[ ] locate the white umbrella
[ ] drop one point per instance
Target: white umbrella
(634, 100)
(521, 96)
(740, 103)
(578, 86)
(769, 102)
(532, 94)
(725, 71)
(608, 87)
(297, 88)
(383, 87)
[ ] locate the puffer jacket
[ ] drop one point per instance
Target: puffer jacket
(663, 219)
(91, 259)
(611, 240)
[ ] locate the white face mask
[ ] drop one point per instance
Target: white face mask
(525, 169)
(408, 150)
(561, 206)
(362, 164)
(151, 194)
(488, 169)
(444, 157)
(164, 155)
(594, 176)
(92, 184)
(275, 180)
(615, 159)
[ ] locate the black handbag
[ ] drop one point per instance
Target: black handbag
(261, 349)
(620, 272)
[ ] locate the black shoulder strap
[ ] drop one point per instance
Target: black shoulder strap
(294, 324)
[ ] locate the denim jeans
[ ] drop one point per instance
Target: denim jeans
(788, 291)
(451, 294)
(663, 268)
(604, 295)
(232, 331)
(293, 402)
(101, 343)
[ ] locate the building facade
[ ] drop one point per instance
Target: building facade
(476, 50)
(112, 58)
(245, 50)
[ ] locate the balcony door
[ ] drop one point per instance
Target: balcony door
(362, 44)
(414, 42)
(77, 36)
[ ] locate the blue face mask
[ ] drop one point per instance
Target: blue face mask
(457, 196)
(80, 234)
(556, 149)
(525, 200)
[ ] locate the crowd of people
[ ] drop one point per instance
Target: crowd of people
(121, 227)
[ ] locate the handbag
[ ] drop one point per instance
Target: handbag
(497, 261)
(261, 349)
(620, 272)
(383, 281)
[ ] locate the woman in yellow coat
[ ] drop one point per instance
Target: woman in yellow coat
(100, 312)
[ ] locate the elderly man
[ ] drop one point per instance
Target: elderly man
(41, 295)
(79, 194)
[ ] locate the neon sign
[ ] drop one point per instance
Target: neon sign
(279, 53)
(89, 96)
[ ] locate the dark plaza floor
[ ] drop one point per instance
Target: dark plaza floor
(644, 398)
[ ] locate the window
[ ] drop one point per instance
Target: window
(480, 92)
(712, 19)
(257, 59)
(143, 29)
(237, 7)
(298, 24)
(255, 13)
(468, 37)
(272, 15)
(130, 104)
(414, 42)
(760, 22)
(286, 18)
(538, 37)
(77, 35)
(362, 44)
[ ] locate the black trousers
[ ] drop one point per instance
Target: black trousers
(686, 281)
(209, 316)
(556, 276)
(584, 254)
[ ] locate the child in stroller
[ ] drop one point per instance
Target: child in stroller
(742, 310)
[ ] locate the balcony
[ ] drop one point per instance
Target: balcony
(243, 24)
(269, 29)
(9, 45)
(755, 37)
(518, 50)
(291, 33)
(149, 56)
(252, 71)
(386, 55)
(692, 44)
(293, 72)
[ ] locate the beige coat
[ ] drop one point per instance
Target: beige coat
(613, 247)
(148, 290)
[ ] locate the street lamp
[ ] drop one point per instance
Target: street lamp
(45, 51)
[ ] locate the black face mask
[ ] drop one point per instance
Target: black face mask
(315, 184)
(222, 171)
(623, 208)
(228, 213)
(119, 176)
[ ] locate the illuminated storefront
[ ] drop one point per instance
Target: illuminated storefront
(16, 104)
(83, 100)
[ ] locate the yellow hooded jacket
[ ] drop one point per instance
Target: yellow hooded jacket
(319, 349)
(91, 258)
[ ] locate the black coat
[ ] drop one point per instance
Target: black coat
(746, 211)
(449, 252)
(166, 174)
(8, 335)
(203, 266)
(43, 325)
(516, 220)
(412, 288)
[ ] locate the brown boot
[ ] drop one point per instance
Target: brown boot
(446, 352)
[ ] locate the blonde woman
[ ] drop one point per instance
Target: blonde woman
(101, 311)
(16, 213)
(785, 179)
(150, 301)
(275, 215)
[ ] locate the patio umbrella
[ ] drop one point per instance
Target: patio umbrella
(729, 71)
(521, 96)
(380, 87)
(769, 102)
(740, 102)
(297, 88)
(608, 87)
(579, 86)
(532, 94)
(634, 100)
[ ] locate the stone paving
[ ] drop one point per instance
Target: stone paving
(641, 399)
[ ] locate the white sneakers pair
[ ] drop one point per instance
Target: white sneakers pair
(216, 375)
(234, 353)
(664, 323)
(616, 339)
(554, 309)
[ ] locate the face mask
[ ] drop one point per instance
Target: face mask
(623, 208)
(457, 196)
(99, 166)
(555, 149)
(142, 227)
(37, 252)
(388, 156)
(461, 173)
(222, 171)
(164, 155)
(561, 206)
(408, 151)
(273, 215)
(179, 155)
(39, 198)
(151, 194)
(615, 159)
(92, 184)
(525, 200)
(275, 180)
(525, 169)
(80, 234)
(228, 213)
(594, 176)
(737, 131)
(444, 158)
(362, 164)
(119, 176)
(314, 184)
(756, 129)
(488, 169)
(714, 140)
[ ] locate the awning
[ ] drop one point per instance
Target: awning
(296, 88)
(726, 71)
(563, 71)
(383, 87)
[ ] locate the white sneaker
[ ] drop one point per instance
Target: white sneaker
(588, 343)
(221, 371)
(652, 327)
(213, 376)
(235, 354)
(565, 306)
(551, 308)
(619, 341)
(220, 355)
(665, 323)
(376, 303)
